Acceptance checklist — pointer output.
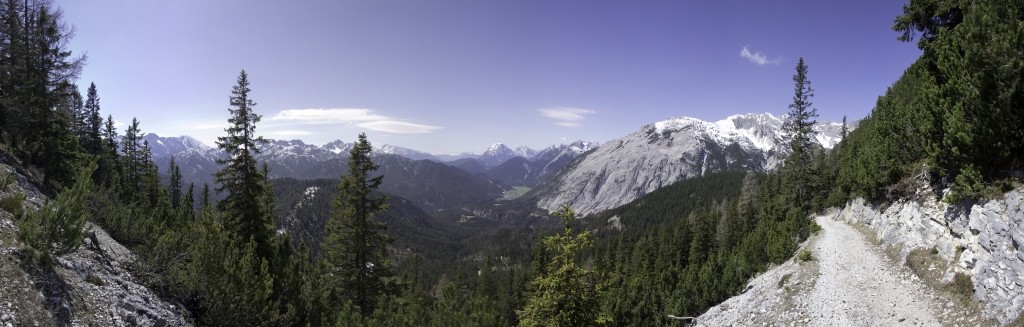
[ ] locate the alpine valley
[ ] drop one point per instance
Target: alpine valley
(588, 176)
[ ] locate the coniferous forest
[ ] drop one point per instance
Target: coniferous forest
(248, 250)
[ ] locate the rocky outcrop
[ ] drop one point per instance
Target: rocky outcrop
(89, 287)
(985, 240)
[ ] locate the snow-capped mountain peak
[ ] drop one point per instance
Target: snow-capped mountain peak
(497, 154)
(525, 152)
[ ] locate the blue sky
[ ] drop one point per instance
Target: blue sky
(453, 76)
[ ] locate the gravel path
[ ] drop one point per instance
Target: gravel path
(856, 287)
(850, 283)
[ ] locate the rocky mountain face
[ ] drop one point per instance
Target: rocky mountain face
(497, 154)
(532, 171)
(983, 239)
(89, 287)
(525, 152)
(662, 153)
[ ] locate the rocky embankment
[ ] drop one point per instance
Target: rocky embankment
(90, 287)
(917, 261)
(984, 240)
(848, 282)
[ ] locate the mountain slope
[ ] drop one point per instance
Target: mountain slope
(520, 171)
(662, 153)
(431, 185)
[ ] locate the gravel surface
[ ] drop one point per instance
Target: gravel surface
(856, 286)
(850, 282)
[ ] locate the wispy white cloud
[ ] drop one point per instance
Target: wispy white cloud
(757, 57)
(568, 117)
(564, 113)
(400, 127)
(328, 116)
(365, 118)
(291, 133)
(118, 124)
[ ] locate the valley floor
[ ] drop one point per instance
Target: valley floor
(850, 282)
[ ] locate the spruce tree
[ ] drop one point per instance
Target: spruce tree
(132, 159)
(799, 130)
(355, 245)
(174, 183)
(244, 211)
(93, 122)
(565, 294)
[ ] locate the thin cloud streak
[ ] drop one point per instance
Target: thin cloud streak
(757, 57)
(399, 127)
(564, 113)
(328, 116)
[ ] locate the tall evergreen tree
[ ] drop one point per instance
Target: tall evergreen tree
(174, 183)
(565, 294)
(204, 197)
(93, 126)
(132, 158)
(244, 211)
(799, 130)
(355, 245)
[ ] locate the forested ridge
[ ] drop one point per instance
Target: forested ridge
(248, 250)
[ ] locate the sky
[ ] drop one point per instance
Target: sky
(458, 76)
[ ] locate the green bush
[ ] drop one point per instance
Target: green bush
(56, 229)
(815, 228)
(12, 204)
(6, 181)
(805, 255)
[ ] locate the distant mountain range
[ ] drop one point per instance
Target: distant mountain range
(589, 176)
(662, 153)
(414, 175)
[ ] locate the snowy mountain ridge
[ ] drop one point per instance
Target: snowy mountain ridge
(674, 149)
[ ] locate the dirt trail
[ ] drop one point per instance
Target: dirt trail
(849, 283)
(856, 286)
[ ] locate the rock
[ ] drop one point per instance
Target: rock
(989, 236)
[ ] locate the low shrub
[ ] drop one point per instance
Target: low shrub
(805, 255)
(815, 228)
(12, 204)
(961, 287)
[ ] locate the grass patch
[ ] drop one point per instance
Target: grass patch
(95, 280)
(782, 282)
(805, 255)
(12, 204)
(961, 288)
(515, 192)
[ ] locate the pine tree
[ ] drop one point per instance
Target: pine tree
(174, 183)
(799, 130)
(565, 294)
(93, 122)
(131, 159)
(189, 206)
(244, 211)
(845, 129)
(355, 245)
(204, 197)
